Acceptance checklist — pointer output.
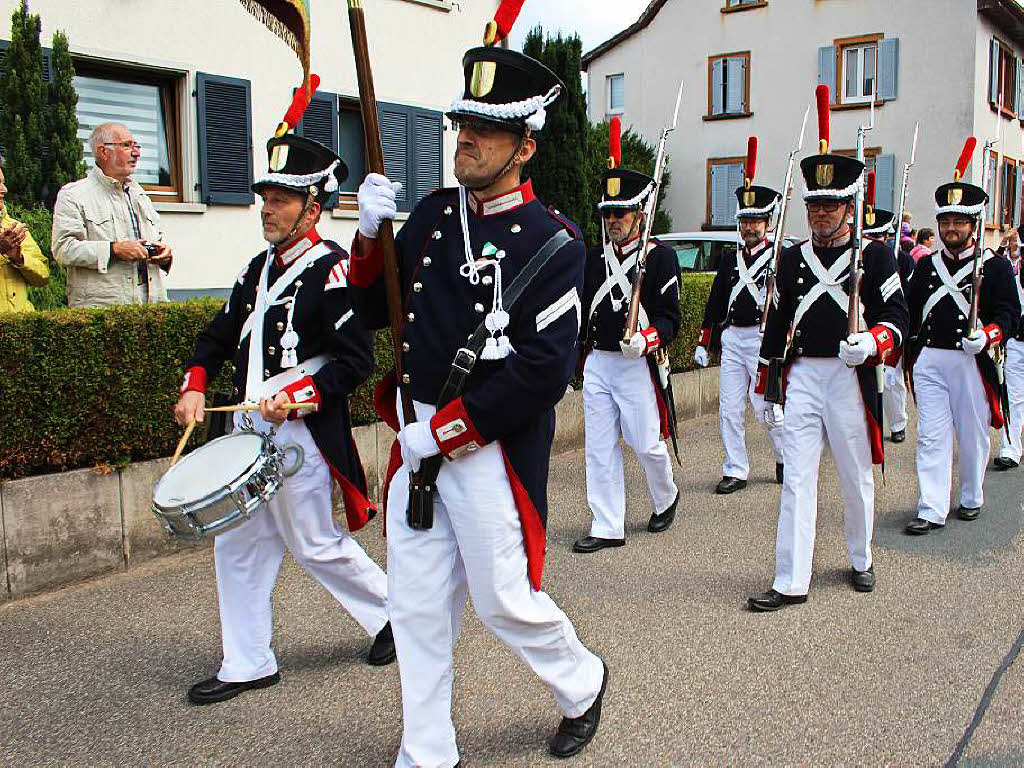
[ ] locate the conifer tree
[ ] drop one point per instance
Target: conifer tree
(23, 108)
(64, 161)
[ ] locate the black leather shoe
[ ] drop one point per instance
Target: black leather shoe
(382, 652)
(772, 601)
(659, 523)
(593, 544)
(780, 472)
(574, 733)
(1002, 463)
(968, 513)
(898, 436)
(213, 690)
(863, 581)
(920, 526)
(730, 485)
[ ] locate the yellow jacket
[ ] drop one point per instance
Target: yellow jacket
(14, 281)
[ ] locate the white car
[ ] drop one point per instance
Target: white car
(702, 251)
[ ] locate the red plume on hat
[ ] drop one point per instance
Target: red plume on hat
(869, 196)
(298, 106)
(965, 158)
(821, 95)
(751, 165)
(614, 143)
(504, 19)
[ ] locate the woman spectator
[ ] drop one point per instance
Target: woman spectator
(925, 243)
(21, 262)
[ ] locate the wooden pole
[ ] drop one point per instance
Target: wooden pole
(256, 407)
(181, 443)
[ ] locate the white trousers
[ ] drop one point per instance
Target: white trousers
(1013, 369)
(894, 397)
(247, 559)
(740, 350)
(822, 400)
(475, 546)
(619, 397)
(950, 399)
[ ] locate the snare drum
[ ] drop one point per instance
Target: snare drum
(219, 485)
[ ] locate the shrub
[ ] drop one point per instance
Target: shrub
(89, 387)
(53, 295)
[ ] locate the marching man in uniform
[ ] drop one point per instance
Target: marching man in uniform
(955, 379)
(1013, 369)
(462, 257)
(880, 225)
(291, 336)
(828, 379)
(622, 391)
(733, 315)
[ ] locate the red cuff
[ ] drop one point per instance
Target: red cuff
(705, 337)
(993, 335)
(302, 391)
(885, 340)
(195, 380)
(761, 382)
(365, 265)
(454, 431)
(652, 338)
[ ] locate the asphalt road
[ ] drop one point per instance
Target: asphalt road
(918, 672)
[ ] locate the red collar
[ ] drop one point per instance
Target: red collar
(286, 254)
(749, 251)
(626, 248)
(506, 201)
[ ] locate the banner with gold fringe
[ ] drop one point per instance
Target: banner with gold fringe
(289, 20)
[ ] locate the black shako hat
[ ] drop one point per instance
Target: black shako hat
(756, 202)
(878, 222)
(302, 165)
(623, 188)
(506, 87)
(959, 197)
(831, 177)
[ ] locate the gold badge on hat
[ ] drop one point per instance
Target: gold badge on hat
(748, 198)
(869, 218)
(824, 174)
(614, 186)
(278, 157)
(482, 81)
(954, 197)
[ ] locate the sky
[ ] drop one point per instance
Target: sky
(594, 20)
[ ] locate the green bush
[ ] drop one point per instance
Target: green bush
(53, 295)
(88, 387)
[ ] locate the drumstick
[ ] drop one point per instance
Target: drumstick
(256, 407)
(181, 443)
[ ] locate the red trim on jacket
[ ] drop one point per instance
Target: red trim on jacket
(195, 380)
(885, 341)
(704, 339)
(454, 431)
(492, 206)
(650, 334)
(993, 335)
(365, 265)
(302, 391)
(761, 381)
(535, 536)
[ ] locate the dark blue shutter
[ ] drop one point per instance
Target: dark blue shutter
(320, 123)
(993, 71)
(352, 147)
(412, 142)
(225, 139)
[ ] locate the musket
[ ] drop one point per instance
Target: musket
(979, 232)
(633, 316)
(903, 189)
(857, 253)
(780, 225)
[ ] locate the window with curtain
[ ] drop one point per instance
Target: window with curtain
(729, 85)
(616, 94)
(860, 64)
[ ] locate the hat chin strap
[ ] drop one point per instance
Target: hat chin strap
(306, 208)
(505, 169)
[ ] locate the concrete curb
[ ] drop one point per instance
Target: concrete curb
(66, 527)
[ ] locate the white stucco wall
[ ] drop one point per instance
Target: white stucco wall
(937, 58)
(416, 50)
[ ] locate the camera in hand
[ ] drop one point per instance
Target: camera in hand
(152, 250)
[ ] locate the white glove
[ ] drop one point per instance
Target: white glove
(700, 357)
(417, 441)
(634, 348)
(974, 343)
(376, 200)
(774, 416)
(858, 348)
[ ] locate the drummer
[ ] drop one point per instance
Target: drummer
(291, 336)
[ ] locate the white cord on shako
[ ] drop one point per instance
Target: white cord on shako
(497, 346)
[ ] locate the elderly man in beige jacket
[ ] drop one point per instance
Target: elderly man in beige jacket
(106, 231)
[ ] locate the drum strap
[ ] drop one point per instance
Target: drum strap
(422, 483)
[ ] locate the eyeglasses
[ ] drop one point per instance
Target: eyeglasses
(129, 145)
(615, 213)
(826, 207)
(482, 127)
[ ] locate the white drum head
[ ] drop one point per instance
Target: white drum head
(208, 469)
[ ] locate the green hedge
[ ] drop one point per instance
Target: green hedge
(97, 387)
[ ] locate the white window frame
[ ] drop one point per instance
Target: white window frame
(860, 50)
(610, 109)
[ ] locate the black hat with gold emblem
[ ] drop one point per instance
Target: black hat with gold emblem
(754, 202)
(828, 176)
(877, 222)
(958, 196)
(506, 87)
(622, 187)
(302, 165)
